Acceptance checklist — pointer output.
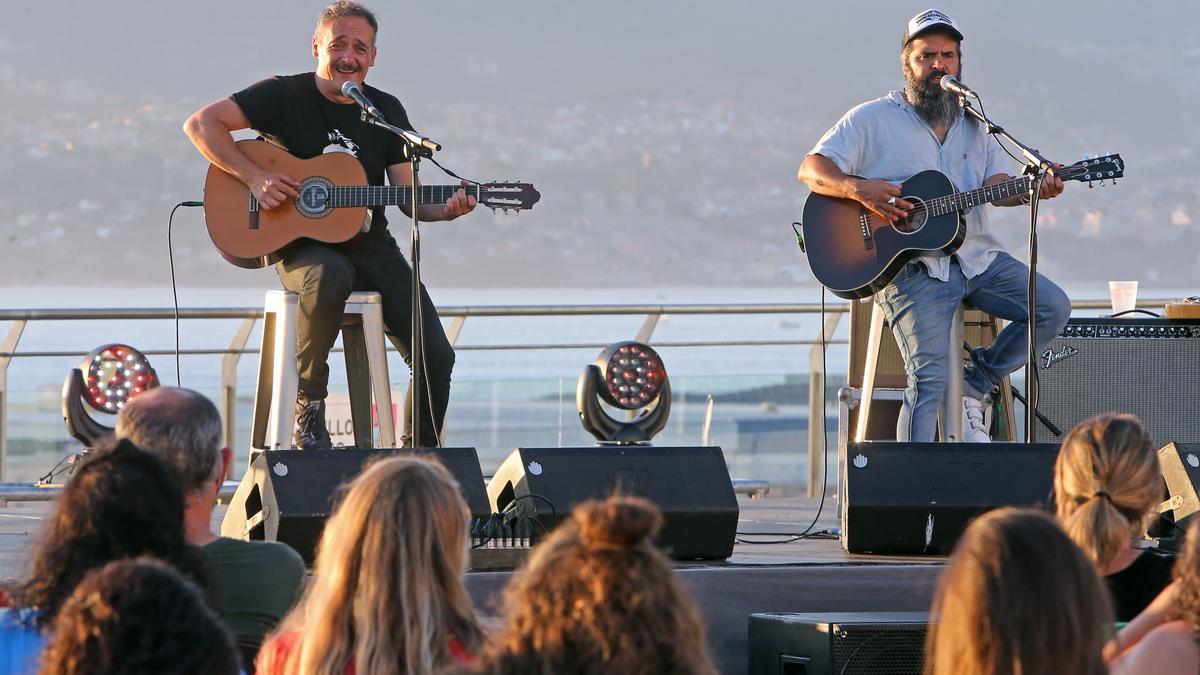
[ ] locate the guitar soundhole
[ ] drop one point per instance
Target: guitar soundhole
(915, 219)
(315, 193)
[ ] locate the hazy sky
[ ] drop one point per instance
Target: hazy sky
(1070, 78)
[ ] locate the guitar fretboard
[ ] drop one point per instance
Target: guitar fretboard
(940, 206)
(394, 195)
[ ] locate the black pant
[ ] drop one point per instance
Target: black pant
(324, 276)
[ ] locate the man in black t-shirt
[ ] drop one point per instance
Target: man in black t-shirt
(307, 115)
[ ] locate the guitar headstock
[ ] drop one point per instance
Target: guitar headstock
(1109, 167)
(508, 196)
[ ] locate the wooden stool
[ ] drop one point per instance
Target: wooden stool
(274, 419)
(950, 413)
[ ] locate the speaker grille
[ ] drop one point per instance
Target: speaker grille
(1148, 367)
(883, 651)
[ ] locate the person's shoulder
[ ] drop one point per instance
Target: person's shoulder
(892, 102)
(387, 103)
(1169, 648)
(273, 553)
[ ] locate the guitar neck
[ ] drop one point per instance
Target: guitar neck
(1011, 187)
(393, 195)
(939, 206)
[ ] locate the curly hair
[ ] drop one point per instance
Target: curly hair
(1106, 484)
(138, 617)
(597, 597)
(387, 593)
(1187, 571)
(120, 503)
(1017, 596)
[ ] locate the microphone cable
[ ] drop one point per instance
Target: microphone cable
(174, 292)
(808, 531)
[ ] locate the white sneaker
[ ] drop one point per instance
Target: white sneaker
(975, 421)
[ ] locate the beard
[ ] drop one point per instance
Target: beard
(935, 105)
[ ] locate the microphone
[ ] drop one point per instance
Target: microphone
(949, 84)
(350, 90)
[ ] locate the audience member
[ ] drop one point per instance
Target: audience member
(1107, 484)
(121, 502)
(597, 597)
(1017, 596)
(138, 617)
(255, 582)
(387, 593)
(1163, 639)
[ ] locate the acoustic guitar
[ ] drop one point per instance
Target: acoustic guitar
(854, 252)
(332, 206)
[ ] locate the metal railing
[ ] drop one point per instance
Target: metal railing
(458, 315)
(232, 352)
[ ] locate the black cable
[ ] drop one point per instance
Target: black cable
(174, 293)
(424, 365)
(808, 533)
(533, 495)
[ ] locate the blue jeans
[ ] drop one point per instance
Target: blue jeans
(920, 308)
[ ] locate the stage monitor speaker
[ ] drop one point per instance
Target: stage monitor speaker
(835, 643)
(286, 495)
(1148, 367)
(1180, 464)
(919, 497)
(690, 484)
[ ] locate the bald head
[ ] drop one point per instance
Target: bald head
(180, 426)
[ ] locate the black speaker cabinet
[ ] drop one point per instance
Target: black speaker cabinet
(859, 643)
(690, 485)
(286, 495)
(919, 497)
(1148, 367)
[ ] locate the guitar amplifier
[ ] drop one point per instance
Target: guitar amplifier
(1147, 367)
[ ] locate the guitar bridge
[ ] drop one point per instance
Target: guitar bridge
(252, 210)
(864, 225)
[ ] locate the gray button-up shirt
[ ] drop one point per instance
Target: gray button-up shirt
(886, 139)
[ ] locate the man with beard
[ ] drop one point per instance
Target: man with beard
(887, 141)
(308, 115)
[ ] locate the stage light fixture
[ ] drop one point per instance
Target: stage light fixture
(109, 377)
(628, 376)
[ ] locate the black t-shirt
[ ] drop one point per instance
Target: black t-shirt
(289, 111)
(1133, 588)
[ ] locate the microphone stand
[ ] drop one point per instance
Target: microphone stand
(1037, 167)
(418, 147)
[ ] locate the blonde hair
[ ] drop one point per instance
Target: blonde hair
(1017, 597)
(387, 592)
(1106, 484)
(597, 597)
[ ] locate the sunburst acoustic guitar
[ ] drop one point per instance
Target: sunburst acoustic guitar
(855, 253)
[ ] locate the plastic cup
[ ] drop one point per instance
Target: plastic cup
(1123, 295)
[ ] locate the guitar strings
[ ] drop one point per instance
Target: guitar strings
(945, 204)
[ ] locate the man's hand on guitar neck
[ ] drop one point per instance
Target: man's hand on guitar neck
(460, 204)
(881, 197)
(271, 188)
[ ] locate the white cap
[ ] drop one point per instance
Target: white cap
(927, 20)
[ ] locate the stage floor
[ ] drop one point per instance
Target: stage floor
(809, 575)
